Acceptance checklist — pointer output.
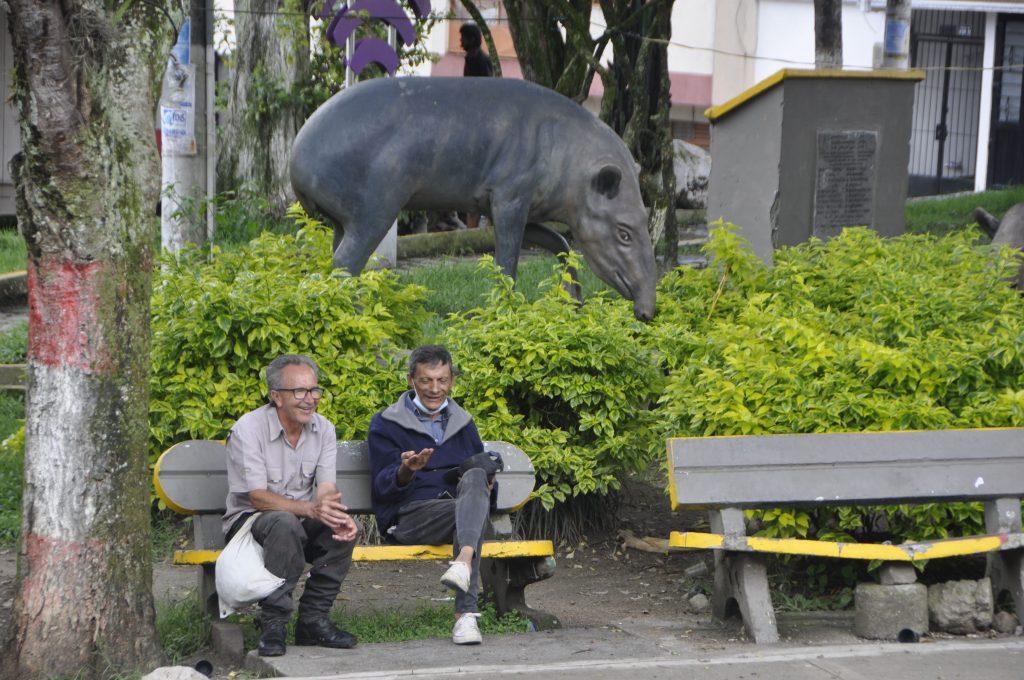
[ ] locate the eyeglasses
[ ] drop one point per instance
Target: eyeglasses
(300, 392)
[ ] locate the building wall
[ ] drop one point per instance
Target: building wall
(785, 35)
(735, 42)
(693, 37)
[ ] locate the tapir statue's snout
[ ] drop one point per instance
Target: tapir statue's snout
(643, 306)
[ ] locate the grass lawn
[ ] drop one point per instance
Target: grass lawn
(13, 255)
(943, 214)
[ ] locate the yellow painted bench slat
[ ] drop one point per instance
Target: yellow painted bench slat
(907, 552)
(383, 553)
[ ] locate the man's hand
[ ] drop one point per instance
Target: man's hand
(411, 464)
(330, 510)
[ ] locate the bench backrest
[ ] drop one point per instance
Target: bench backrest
(838, 469)
(191, 477)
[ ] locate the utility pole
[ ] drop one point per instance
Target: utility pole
(187, 185)
(896, 54)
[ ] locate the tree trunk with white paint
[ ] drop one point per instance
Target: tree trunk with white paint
(87, 180)
(828, 34)
(263, 109)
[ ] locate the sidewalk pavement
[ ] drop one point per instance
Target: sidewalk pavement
(815, 646)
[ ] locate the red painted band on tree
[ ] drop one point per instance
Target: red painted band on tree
(64, 329)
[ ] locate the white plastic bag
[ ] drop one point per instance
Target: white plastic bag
(241, 577)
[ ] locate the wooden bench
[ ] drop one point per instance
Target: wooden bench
(191, 478)
(726, 475)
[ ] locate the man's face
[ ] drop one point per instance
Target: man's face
(292, 411)
(432, 384)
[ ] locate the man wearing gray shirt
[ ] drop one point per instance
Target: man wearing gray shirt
(281, 463)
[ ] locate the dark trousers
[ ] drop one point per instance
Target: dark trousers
(460, 521)
(288, 544)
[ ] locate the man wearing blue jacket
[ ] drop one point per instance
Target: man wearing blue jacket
(413, 444)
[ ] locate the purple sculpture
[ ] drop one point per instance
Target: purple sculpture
(532, 156)
(347, 18)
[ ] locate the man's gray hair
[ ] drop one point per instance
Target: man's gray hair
(430, 355)
(277, 366)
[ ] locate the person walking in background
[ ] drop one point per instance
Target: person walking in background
(471, 41)
(478, 64)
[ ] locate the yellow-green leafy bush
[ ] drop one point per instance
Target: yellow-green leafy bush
(569, 384)
(218, 322)
(857, 333)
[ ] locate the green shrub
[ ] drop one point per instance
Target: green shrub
(239, 216)
(12, 475)
(218, 323)
(855, 334)
(14, 344)
(571, 384)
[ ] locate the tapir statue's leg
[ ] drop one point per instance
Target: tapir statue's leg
(359, 241)
(543, 236)
(509, 218)
(368, 225)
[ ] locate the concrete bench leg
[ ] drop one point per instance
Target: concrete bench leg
(208, 590)
(206, 532)
(1006, 567)
(742, 580)
(506, 580)
(1006, 571)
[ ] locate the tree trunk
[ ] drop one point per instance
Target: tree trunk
(636, 104)
(547, 57)
(87, 180)
(263, 115)
(828, 34)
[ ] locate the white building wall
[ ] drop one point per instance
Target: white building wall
(785, 37)
(735, 41)
(437, 40)
(693, 37)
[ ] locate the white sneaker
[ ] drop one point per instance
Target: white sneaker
(457, 577)
(466, 632)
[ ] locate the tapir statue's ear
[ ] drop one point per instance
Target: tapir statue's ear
(606, 182)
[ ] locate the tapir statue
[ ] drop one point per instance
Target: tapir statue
(1006, 232)
(509, 149)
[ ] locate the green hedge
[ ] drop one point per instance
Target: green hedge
(855, 334)
(218, 322)
(571, 384)
(859, 333)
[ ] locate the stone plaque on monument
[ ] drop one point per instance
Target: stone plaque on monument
(844, 186)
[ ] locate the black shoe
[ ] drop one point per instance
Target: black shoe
(272, 639)
(323, 633)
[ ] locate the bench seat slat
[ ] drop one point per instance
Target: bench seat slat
(907, 552)
(383, 553)
(191, 477)
(845, 468)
